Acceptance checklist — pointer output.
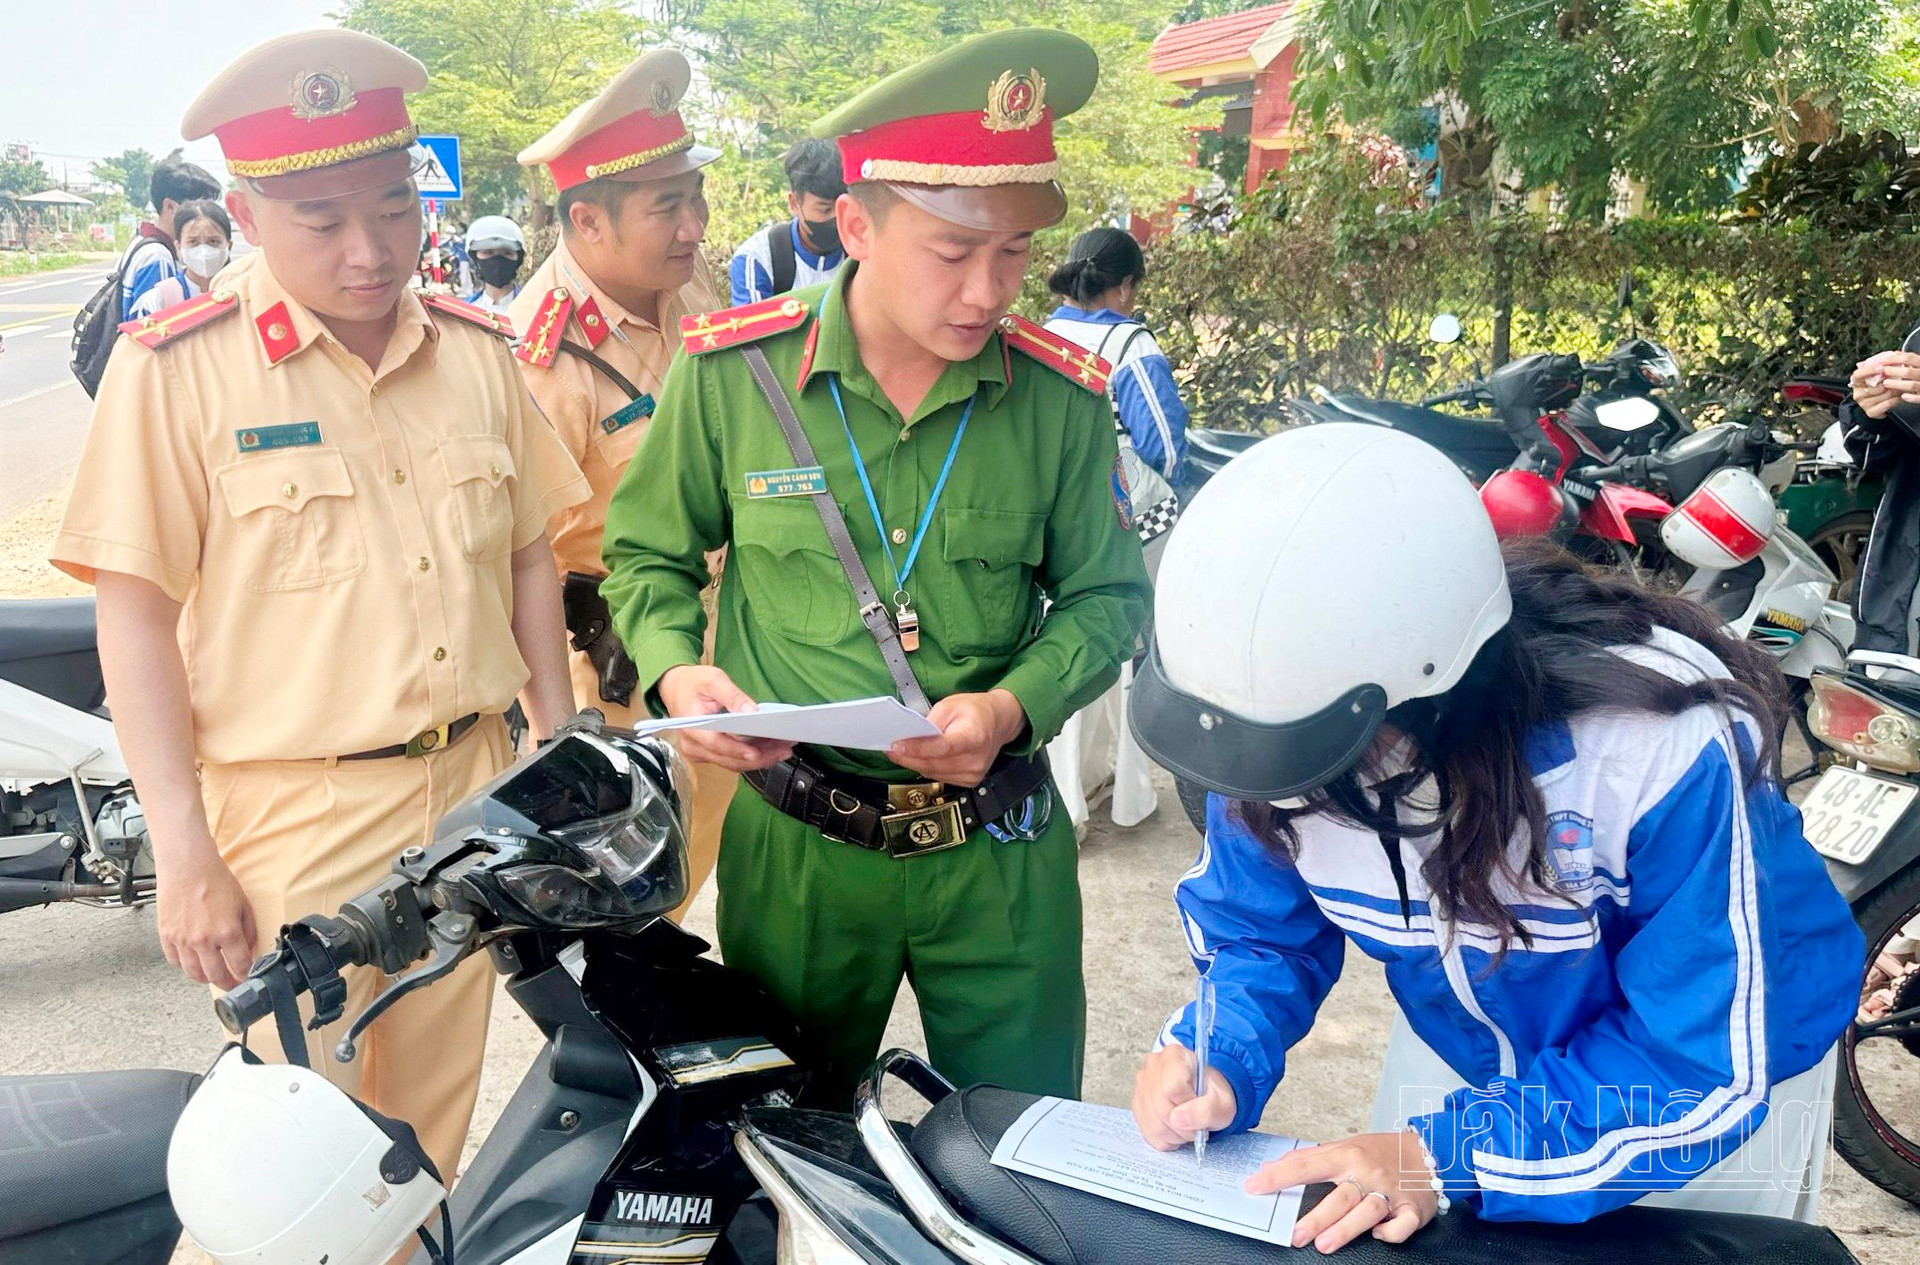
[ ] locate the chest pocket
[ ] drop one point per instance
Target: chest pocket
(295, 522)
(479, 471)
(616, 447)
(791, 579)
(991, 556)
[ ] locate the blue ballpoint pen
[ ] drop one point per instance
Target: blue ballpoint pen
(1202, 1038)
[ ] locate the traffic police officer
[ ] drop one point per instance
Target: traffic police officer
(600, 321)
(975, 460)
(314, 504)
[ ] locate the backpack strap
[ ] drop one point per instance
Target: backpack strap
(783, 265)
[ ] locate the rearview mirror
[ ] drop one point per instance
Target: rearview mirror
(1631, 413)
(1445, 328)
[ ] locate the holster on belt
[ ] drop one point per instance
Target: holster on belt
(902, 819)
(590, 628)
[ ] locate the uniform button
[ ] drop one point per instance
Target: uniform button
(899, 535)
(289, 490)
(493, 472)
(399, 476)
(376, 389)
(439, 653)
(424, 564)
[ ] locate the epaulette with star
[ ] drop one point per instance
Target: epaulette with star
(541, 343)
(171, 322)
(737, 326)
(1063, 356)
(472, 313)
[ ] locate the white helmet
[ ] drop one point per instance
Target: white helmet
(1724, 522)
(495, 232)
(1324, 576)
(270, 1163)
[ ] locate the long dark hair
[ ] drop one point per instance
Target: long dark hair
(1098, 260)
(1551, 663)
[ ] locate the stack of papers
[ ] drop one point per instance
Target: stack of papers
(861, 724)
(1099, 1150)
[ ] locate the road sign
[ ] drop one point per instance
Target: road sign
(440, 178)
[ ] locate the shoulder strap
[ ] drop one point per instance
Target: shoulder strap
(613, 375)
(873, 612)
(783, 265)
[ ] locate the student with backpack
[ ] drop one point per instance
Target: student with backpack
(804, 250)
(151, 259)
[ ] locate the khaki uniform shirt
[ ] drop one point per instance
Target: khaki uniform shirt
(341, 538)
(584, 405)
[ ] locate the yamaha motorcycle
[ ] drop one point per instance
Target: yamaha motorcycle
(658, 1122)
(71, 828)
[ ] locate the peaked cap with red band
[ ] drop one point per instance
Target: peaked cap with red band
(967, 134)
(314, 114)
(631, 130)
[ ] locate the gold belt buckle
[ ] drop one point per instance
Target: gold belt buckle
(432, 740)
(921, 821)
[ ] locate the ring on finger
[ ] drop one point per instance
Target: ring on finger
(1385, 1199)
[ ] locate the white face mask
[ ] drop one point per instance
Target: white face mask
(205, 260)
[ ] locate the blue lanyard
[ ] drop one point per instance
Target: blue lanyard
(900, 573)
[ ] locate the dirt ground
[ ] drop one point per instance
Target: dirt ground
(86, 988)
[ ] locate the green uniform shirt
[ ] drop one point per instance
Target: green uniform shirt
(1027, 511)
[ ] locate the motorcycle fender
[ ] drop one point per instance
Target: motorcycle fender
(1611, 513)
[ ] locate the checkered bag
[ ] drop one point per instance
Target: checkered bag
(1158, 519)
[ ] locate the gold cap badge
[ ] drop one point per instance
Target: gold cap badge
(1015, 101)
(320, 93)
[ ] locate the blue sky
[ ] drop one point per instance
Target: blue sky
(86, 78)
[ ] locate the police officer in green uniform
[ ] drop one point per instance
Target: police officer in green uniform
(941, 467)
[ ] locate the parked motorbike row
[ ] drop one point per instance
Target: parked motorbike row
(658, 1123)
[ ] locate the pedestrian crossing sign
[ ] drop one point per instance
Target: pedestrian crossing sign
(439, 180)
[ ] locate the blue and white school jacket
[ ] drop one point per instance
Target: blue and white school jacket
(1696, 955)
(1146, 400)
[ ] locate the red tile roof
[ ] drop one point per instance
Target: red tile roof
(1212, 40)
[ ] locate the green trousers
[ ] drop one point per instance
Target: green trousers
(987, 933)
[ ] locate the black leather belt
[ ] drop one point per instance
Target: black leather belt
(422, 743)
(901, 819)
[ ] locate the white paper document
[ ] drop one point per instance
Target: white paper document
(865, 724)
(1099, 1150)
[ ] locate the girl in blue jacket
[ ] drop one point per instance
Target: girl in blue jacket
(1541, 796)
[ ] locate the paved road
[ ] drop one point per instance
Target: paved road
(43, 411)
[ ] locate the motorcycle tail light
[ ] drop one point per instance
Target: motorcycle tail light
(1859, 725)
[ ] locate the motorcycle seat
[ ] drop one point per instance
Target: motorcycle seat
(73, 1148)
(954, 1143)
(41, 628)
(1479, 445)
(47, 645)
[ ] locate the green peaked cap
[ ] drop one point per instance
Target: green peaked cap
(960, 78)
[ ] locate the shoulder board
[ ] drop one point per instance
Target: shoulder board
(541, 342)
(471, 313)
(1064, 356)
(738, 326)
(171, 322)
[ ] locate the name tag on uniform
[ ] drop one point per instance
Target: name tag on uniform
(801, 481)
(292, 435)
(642, 407)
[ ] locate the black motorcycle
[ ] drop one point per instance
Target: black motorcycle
(1861, 817)
(659, 1122)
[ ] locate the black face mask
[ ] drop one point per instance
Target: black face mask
(497, 270)
(824, 234)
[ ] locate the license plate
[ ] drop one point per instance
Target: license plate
(1848, 813)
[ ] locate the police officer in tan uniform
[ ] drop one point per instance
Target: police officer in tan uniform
(314, 505)
(599, 324)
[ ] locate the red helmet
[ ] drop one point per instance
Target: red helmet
(1523, 503)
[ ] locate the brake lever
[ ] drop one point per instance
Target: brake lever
(450, 933)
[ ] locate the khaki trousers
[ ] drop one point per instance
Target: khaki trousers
(713, 786)
(304, 836)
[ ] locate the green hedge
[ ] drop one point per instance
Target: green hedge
(1272, 306)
